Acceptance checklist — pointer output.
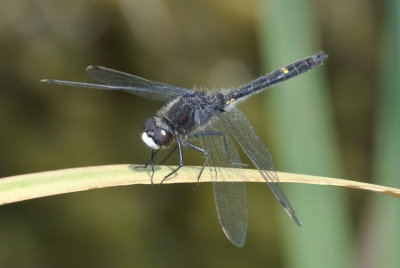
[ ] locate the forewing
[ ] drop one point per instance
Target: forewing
(135, 84)
(116, 80)
(241, 129)
(230, 197)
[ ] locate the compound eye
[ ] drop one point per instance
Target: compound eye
(150, 124)
(162, 137)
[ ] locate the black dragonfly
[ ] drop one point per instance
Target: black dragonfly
(206, 121)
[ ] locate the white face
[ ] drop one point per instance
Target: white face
(154, 136)
(149, 141)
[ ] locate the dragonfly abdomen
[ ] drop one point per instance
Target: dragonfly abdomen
(277, 76)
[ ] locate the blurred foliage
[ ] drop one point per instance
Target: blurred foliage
(187, 43)
(305, 139)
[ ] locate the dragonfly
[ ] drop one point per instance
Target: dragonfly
(208, 122)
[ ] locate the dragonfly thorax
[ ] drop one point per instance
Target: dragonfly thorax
(154, 136)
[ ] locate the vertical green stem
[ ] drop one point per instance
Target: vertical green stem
(385, 214)
(304, 140)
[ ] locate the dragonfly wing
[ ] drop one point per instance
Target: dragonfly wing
(230, 197)
(241, 129)
(231, 203)
(116, 80)
(135, 84)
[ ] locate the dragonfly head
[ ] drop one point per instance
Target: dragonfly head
(154, 136)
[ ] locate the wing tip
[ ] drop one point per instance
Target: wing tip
(237, 239)
(91, 68)
(297, 221)
(49, 81)
(238, 242)
(289, 210)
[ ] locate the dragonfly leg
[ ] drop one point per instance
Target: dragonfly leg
(204, 152)
(151, 162)
(180, 159)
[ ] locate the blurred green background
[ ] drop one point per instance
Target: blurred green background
(339, 120)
